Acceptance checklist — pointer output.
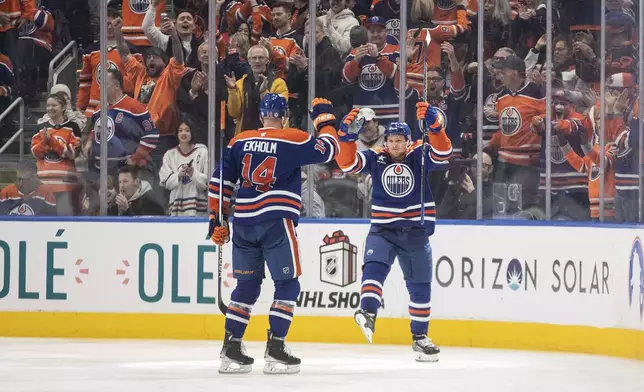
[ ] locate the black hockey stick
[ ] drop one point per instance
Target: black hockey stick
(220, 249)
(423, 126)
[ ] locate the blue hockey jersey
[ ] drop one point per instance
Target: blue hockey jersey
(396, 184)
(267, 163)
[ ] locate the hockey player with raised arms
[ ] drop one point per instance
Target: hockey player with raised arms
(396, 226)
(267, 163)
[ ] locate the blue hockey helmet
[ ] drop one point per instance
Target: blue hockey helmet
(398, 128)
(273, 106)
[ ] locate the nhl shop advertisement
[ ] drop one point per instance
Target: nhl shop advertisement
(559, 275)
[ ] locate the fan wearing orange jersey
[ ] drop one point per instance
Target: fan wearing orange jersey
(27, 196)
(55, 148)
(133, 14)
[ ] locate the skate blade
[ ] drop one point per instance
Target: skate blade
(422, 357)
(280, 368)
(362, 322)
(230, 367)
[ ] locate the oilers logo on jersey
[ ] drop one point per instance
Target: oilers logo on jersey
(398, 180)
(110, 130)
(594, 173)
(97, 72)
(53, 157)
(393, 28)
(23, 209)
(372, 78)
(490, 103)
(27, 28)
(139, 6)
(510, 121)
(557, 155)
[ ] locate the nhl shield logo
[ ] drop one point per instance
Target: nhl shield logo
(139, 6)
(331, 266)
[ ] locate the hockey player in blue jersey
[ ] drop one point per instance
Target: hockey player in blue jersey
(396, 227)
(267, 163)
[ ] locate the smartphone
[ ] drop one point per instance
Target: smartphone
(164, 17)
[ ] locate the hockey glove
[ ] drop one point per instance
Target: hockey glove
(427, 113)
(217, 232)
(351, 126)
(322, 113)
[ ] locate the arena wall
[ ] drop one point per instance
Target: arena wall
(534, 287)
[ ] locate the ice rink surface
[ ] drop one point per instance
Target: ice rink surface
(62, 365)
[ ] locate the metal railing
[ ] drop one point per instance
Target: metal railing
(20, 133)
(61, 63)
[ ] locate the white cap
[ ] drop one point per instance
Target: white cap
(367, 113)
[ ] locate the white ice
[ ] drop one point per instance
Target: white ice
(57, 365)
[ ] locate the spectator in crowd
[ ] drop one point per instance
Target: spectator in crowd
(461, 194)
(300, 15)
(185, 27)
(76, 20)
(55, 147)
(318, 203)
(6, 93)
(373, 134)
(135, 197)
(134, 135)
(89, 90)
(337, 24)
(287, 39)
(256, 12)
(33, 54)
(193, 97)
(72, 115)
(11, 12)
(199, 10)
(185, 173)
(134, 15)
(518, 147)
(245, 94)
(236, 59)
(156, 85)
(27, 196)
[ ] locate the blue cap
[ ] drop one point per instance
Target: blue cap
(273, 106)
(398, 128)
(376, 20)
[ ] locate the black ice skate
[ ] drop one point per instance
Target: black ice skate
(233, 356)
(366, 322)
(278, 357)
(426, 350)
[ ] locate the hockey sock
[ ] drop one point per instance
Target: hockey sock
(241, 304)
(373, 279)
(281, 312)
(420, 306)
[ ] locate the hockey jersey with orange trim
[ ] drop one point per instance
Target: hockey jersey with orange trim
(133, 13)
(627, 176)
(267, 163)
(432, 55)
(589, 165)
(55, 169)
(241, 11)
(17, 9)
(131, 133)
(446, 11)
(515, 141)
(397, 184)
(391, 14)
(39, 202)
(39, 30)
(376, 79)
(6, 76)
(89, 90)
(159, 94)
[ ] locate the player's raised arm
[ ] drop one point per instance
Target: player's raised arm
(350, 159)
(324, 147)
(440, 147)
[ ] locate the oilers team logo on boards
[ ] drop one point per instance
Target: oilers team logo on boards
(398, 180)
(98, 130)
(510, 121)
(51, 156)
(110, 65)
(139, 6)
(636, 260)
(514, 274)
(393, 28)
(371, 78)
(23, 209)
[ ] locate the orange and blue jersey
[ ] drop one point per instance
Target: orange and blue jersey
(39, 30)
(267, 164)
(397, 183)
